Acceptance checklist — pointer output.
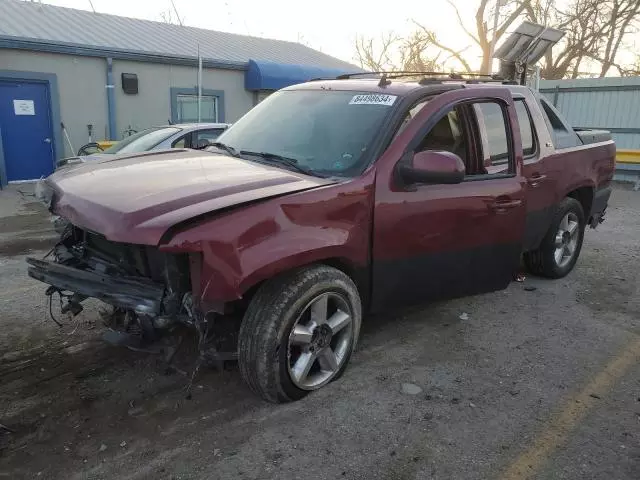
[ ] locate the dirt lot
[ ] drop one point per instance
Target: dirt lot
(541, 380)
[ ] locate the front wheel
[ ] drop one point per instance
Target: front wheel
(561, 246)
(299, 332)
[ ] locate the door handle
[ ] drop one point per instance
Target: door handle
(536, 179)
(502, 205)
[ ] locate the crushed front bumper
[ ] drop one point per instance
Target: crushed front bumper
(135, 293)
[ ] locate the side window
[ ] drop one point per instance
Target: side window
(446, 135)
(208, 136)
(182, 142)
(413, 111)
(478, 134)
(492, 124)
(526, 128)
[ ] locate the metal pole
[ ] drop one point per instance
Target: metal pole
(537, 78)
(111, 100)
(199, 86)
(494, 39)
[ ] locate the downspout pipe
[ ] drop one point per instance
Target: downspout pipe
(111, 100)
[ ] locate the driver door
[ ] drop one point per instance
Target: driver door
(442, 241)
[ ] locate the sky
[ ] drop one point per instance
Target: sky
(330, 26)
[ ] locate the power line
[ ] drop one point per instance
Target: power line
(92, 8)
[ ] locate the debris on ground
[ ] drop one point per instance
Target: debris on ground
(5, 428)
(530, 288)
(102, 448)
(411, 389)
(464, 316)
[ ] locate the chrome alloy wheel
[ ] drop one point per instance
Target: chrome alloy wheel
(566, 241)
(320, 341)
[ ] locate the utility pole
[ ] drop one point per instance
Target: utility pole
(199, 85)
(494, 39)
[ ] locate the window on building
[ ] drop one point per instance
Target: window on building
(187, 108)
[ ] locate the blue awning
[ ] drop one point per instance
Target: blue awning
(273, 76)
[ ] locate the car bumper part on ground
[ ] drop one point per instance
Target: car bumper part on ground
(138, 294)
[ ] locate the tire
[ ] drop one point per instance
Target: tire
(544, 261)
(273, 355)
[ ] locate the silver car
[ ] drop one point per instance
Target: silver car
(187, 135)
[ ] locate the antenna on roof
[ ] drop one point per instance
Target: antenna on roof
(92, 7)
(176, 12)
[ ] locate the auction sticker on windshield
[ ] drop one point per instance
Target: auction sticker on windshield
(373, 99)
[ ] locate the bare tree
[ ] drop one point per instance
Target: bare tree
(596, 31)
(431, 37)
(481, 34)
(620, 18)
(414, 56)
(418, 52)
(377, 54)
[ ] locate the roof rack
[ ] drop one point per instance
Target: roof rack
(427, 77)
(417, 73)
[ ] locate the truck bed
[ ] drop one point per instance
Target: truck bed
(588, 136)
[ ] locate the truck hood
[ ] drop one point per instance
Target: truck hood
(135, 199)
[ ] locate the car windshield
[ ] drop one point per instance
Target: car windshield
(142, 141)
(326, 132)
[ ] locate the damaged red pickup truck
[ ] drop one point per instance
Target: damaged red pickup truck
(327, 200)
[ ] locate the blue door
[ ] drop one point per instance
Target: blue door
(27, 134)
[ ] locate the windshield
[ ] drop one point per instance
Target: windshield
(143, 141)
(327, 132)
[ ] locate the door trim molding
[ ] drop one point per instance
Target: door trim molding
(51, 80)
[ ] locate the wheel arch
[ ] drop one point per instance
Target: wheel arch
(358, 274)
(585, 195)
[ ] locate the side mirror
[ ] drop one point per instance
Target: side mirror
(433, 166)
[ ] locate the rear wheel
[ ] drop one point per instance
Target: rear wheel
(299, 332)
(561, 246)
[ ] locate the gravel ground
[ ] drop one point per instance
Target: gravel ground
(540, 380)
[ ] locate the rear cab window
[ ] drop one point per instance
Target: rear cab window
(562, 134)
